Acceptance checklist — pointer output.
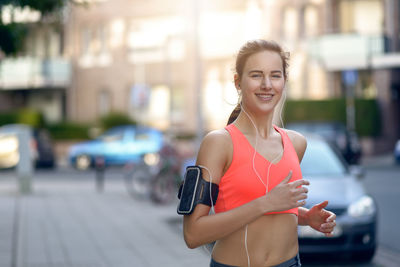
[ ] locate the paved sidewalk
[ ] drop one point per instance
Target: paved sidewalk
(65, 223)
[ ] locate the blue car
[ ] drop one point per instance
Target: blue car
(118, 146)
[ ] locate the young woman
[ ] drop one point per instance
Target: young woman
(256, 165)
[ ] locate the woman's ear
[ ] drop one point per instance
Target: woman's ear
(237, 82)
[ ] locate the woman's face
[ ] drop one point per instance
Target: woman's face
(262, 81)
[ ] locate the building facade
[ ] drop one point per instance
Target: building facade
(348, 48)
(170, 63)
(36, 78)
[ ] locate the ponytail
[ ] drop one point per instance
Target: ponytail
(234, 114)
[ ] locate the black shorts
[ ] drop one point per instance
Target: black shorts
(293, 262)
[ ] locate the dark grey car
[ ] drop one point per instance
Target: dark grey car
(333, 180)
(336, 134)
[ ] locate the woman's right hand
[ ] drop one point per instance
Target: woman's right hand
(286, 195)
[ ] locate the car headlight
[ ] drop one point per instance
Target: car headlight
(397, 148)
(363, 207)
(151, 159)
(8, 144)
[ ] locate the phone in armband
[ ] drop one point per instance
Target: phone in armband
(195, 190)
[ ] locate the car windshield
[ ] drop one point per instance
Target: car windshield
(142, 135)
(320, 159)
(112, 135)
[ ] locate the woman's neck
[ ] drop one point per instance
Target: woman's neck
(263, 123)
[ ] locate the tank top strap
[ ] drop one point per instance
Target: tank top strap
(287, 143)
(233, 133)
(239, 142)
(284, 135)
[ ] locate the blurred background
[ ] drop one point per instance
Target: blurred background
(115, 91)
(169, 64)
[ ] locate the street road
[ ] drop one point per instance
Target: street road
(382, 182)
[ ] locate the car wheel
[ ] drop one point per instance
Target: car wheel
(83, 162)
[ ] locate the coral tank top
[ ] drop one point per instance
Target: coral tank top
(240, 184)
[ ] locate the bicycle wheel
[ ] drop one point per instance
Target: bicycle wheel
(164, 188)
(138, 182)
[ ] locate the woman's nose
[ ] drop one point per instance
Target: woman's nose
(266, 82)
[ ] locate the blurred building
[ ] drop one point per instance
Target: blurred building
(39, 75)
(152, 59)
(140, 57)
(346, 48)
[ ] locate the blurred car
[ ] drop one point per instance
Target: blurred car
(334, 132)
(397, 152)
(118, 146)
(42, 152)
(331, 179)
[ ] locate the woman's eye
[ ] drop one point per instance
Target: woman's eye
(276, 76)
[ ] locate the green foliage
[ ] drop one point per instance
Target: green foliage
(12, 38)
(315, 110)
(8, 118)
(69, 131)
(44, 6)
(58, 131)
(115, 119)
(368, 117)
(30, 117)
(27, 116)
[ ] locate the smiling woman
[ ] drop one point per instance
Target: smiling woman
(256, 167)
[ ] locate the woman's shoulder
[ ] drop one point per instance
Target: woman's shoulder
(214, 152)
(299, 142)
(216, 143)
(218, 138)
(295, 136)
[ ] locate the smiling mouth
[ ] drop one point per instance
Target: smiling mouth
(265, 97)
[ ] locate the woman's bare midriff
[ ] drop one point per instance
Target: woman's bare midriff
(271, 239)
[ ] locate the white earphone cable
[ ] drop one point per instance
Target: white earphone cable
(257, 174)
(254, 169)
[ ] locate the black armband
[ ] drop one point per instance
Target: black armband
(195, 190)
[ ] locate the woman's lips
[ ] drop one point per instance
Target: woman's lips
(265, 97)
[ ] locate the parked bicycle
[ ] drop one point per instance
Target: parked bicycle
(156, 177)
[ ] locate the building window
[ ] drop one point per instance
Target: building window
(156, 40)
(86, 36)
(290, 23)
(104, 102)
(310, 21)
(364, 17)
(117, 28)
(94, 47)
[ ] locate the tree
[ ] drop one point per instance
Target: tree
(13, 34)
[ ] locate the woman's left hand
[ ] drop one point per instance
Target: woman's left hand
(321, 219)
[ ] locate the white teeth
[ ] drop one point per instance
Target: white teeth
(265, 97)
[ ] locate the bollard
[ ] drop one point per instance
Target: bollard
(24, 167)
(100, 166)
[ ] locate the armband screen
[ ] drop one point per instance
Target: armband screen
(195, 190)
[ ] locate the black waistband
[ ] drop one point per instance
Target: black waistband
(293, 262)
